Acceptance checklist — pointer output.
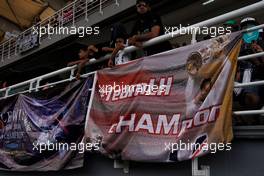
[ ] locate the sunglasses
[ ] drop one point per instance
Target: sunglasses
(139, 5)
(118, 41)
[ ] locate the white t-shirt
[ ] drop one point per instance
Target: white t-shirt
(121, 58)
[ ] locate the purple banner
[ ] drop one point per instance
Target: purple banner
(44, 131)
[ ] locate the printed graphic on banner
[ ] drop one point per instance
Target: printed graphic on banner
(142, 110)
(38, 131)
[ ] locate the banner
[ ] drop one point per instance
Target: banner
(44, 131)
(166, 107)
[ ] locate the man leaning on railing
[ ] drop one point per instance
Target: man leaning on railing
(147, 26)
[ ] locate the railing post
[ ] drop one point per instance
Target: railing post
(121, 164)
(31, 86)
(37, 85)
(3, 50)
(39, 29)
(61, 17)
(195, 170)
(194, 36)
(73, 12)
(117, 3)
(101, 8)
(86, 11)
(72, 74)
(7, 92)
(9, 48)
(15, 46)
(48, 31)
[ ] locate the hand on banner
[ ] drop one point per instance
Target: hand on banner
(110, 63)
(256, 47)
(78, 76)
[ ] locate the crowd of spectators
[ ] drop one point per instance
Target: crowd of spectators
(149, 25)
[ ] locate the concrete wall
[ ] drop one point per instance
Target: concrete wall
(245, 159)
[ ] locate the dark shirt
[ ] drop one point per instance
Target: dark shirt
(98, 55)
(143, 25)
(257, 70)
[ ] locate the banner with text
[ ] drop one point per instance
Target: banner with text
(171, 106)
(43, 131)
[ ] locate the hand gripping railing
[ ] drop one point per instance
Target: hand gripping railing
(65, 16)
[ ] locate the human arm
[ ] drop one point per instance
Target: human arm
(114, 53)
(81, 65)
(107, 49)
(74, 63)
(257, 49)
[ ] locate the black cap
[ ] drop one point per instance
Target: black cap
(118, 30)
(146, 1)
(247, 21)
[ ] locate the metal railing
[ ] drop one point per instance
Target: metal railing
(65, 16)
(34, 84)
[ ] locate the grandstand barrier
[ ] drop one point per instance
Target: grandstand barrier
(34, 84)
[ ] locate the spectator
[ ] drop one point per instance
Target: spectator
(90, 54)
(83, 55)
(119, 42)
(67, 13)
(147, 26)
(118, 55)
(36, 20)
(232, 24)
(118, 30)
(83, 58)
(97, 52)
(250, 70)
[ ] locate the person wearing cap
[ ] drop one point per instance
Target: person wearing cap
(147, 26)
(252, 41)
(233, 24)
(250, 70)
